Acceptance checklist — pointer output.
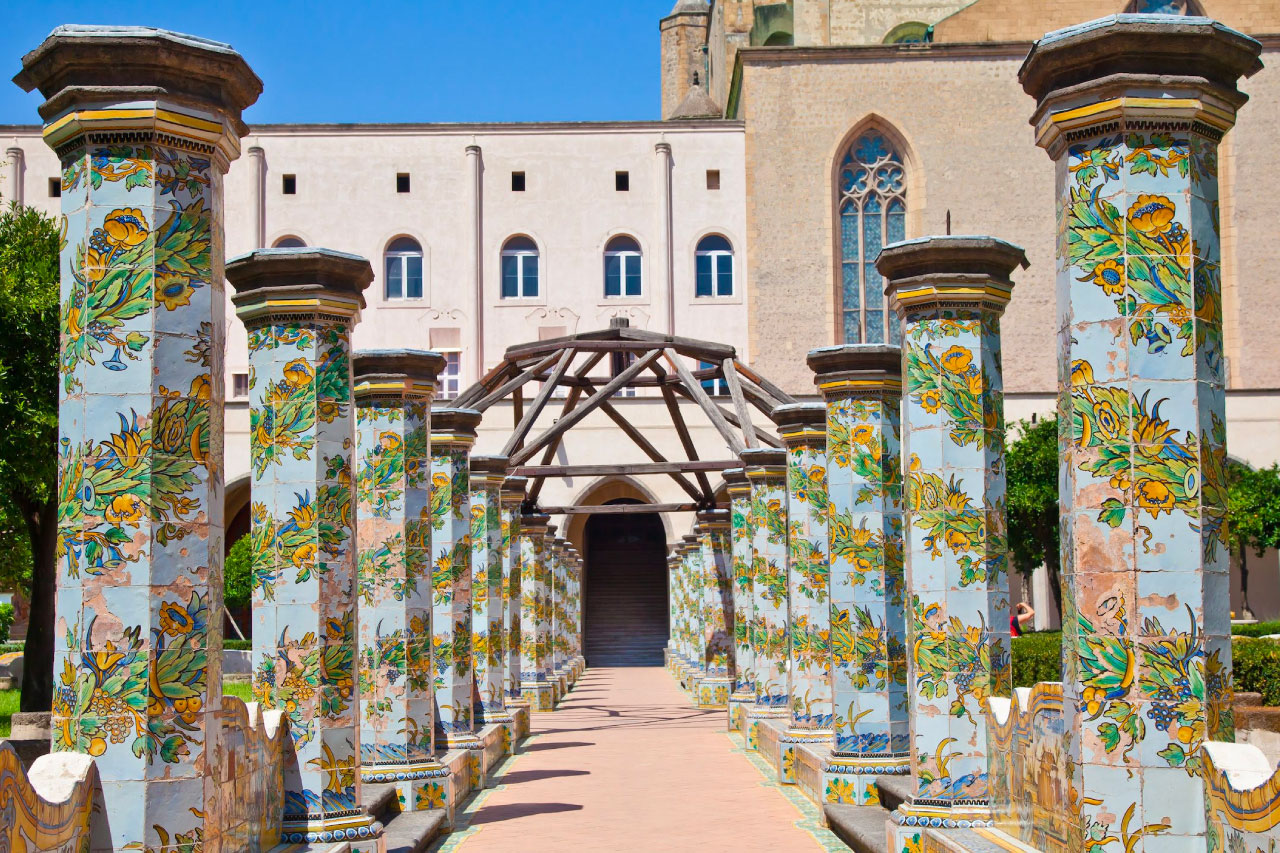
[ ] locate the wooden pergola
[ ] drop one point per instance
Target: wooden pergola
(633, 358)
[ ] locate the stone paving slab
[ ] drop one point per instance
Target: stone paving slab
(628, 763)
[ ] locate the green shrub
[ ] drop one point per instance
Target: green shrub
(237, 645)
(1256, 668)
(1037, 657)
(5, 648)
(1257, 629)
(6, 621)
(237, 575)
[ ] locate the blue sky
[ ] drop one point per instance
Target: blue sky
(466, 60)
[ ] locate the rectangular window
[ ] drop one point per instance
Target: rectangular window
(413, 276)
(395, 278)
(714, 387)
(713, 179)
(724, 275)
(451, 378)
(519, 275)
(402, 182)
(529, 275)
(510, 276)
(239, 385)
(622, 181)
(706, 276)
(612, 275)
(620, 361)
(289, 184)
(631, 266)
(55, 188)
(517, 182)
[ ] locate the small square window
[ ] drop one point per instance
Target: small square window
(402, 182)
(55, 188)
(289, 185)
(517, 182)
(239, 385)
(622, 181)
(713, 179)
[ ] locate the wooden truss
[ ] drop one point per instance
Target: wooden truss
(566, 367)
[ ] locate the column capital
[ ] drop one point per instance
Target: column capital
(663, 148)
(395, 373)
(713, 519)
(950, 271)
(735, 481)
(488, 471)
(1147, 72)
(454, 427)
(857, 370)
(801, 424)
(178, 87)
(307, 283)
(534, 522)
(473, 150)
(764, 462)
(13, 152)
(513, 490)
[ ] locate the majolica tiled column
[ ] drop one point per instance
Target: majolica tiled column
(453, 432)
(298, 306)
(695, 585)
(949, 293)
(766, 470)
(802, 428)
(717, 607)
(488, 610)
(741, 532)
(559, 630)
(535, 616)
(1131, 109)
(512, 496)
(393, 392)
(573, 613)
(862, 386)
(140, 523)
(674, 615)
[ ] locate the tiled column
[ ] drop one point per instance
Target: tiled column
(674, 615)
(298, 306)
(453, 432)
(766, 470)
(949, 293)
(696, 614)
(140, 524)
(512, 496)
(741, 532)
(559, 631)
(573, 613)
(862, 386)
(488, 610)
(535, 616)
(393, 392)
(802, 428)
(1131, 109)
(717, 607)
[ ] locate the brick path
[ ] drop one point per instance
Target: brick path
(627, 763)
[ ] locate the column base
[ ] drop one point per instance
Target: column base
(739, 704)
(913, 816)
(354, 828)
(420, 785)
(713, 692)
(693, 677)
(519, 709)
(541, 695)
(852, 780)
(764, 732)
(789, 766)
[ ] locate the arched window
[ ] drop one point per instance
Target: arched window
(715, 266)
(873, 213)
(1164, 7)
(622, 275)
(519, 268)
(404, 269)
(912, 32)
(289, 242)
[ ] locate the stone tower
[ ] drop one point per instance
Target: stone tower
(684, 34)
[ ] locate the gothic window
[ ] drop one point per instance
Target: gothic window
(873, 213)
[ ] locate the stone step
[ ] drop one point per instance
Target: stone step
(413, 832)
(894, 790)
(861, 827)
(380, 800)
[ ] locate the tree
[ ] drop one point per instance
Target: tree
(1031, 464)
(237, 574)
(1253, 517)
(29, 244)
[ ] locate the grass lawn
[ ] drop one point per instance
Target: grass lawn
(9, 702)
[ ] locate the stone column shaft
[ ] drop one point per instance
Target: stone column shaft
(949, 293)
(393, 392)
(140, 392)
(299, 306)
(862, 386)
(13, 189)
(1132, 109)
(452, 436)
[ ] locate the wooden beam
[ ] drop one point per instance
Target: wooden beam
(617, 509)
(517, 407)
(649, 450)
(772, 390)
(625, 468)
(544, 394)
(475, 392)
(757, 397)
(682, 429)
(735, 391)
(568, 421)
(763, 436)
(712, 411)
(513, 384)
(570, 401)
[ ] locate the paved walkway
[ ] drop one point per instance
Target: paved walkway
(627, 763)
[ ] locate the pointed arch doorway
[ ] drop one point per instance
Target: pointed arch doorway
(626, 612)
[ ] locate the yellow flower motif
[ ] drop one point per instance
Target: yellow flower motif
(439, 480)
(126, 227)
(201, 389)
(957, 359)
(304, 515)
(1150, 429)
(1081, 373)
(171, 429)
(95, 264)
(1154, 496)
(775, 505)
(304, 555)
(861, 537)
(931, 400)
(957, 541)
(1109, 275)
(174, 619)
(1119, 481)
(862, 434)
(390, 442)
(975, 384)
(299, 373)
(1151, 214)
(174, 292)
(125, 509)
(1106, 419)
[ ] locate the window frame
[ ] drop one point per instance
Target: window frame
(403, 256)
(717, 257)
(624, 257)
(452, 358)
(520, 256)
(713, 387)
(868, 186)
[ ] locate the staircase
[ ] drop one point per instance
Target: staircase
(625, 587)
